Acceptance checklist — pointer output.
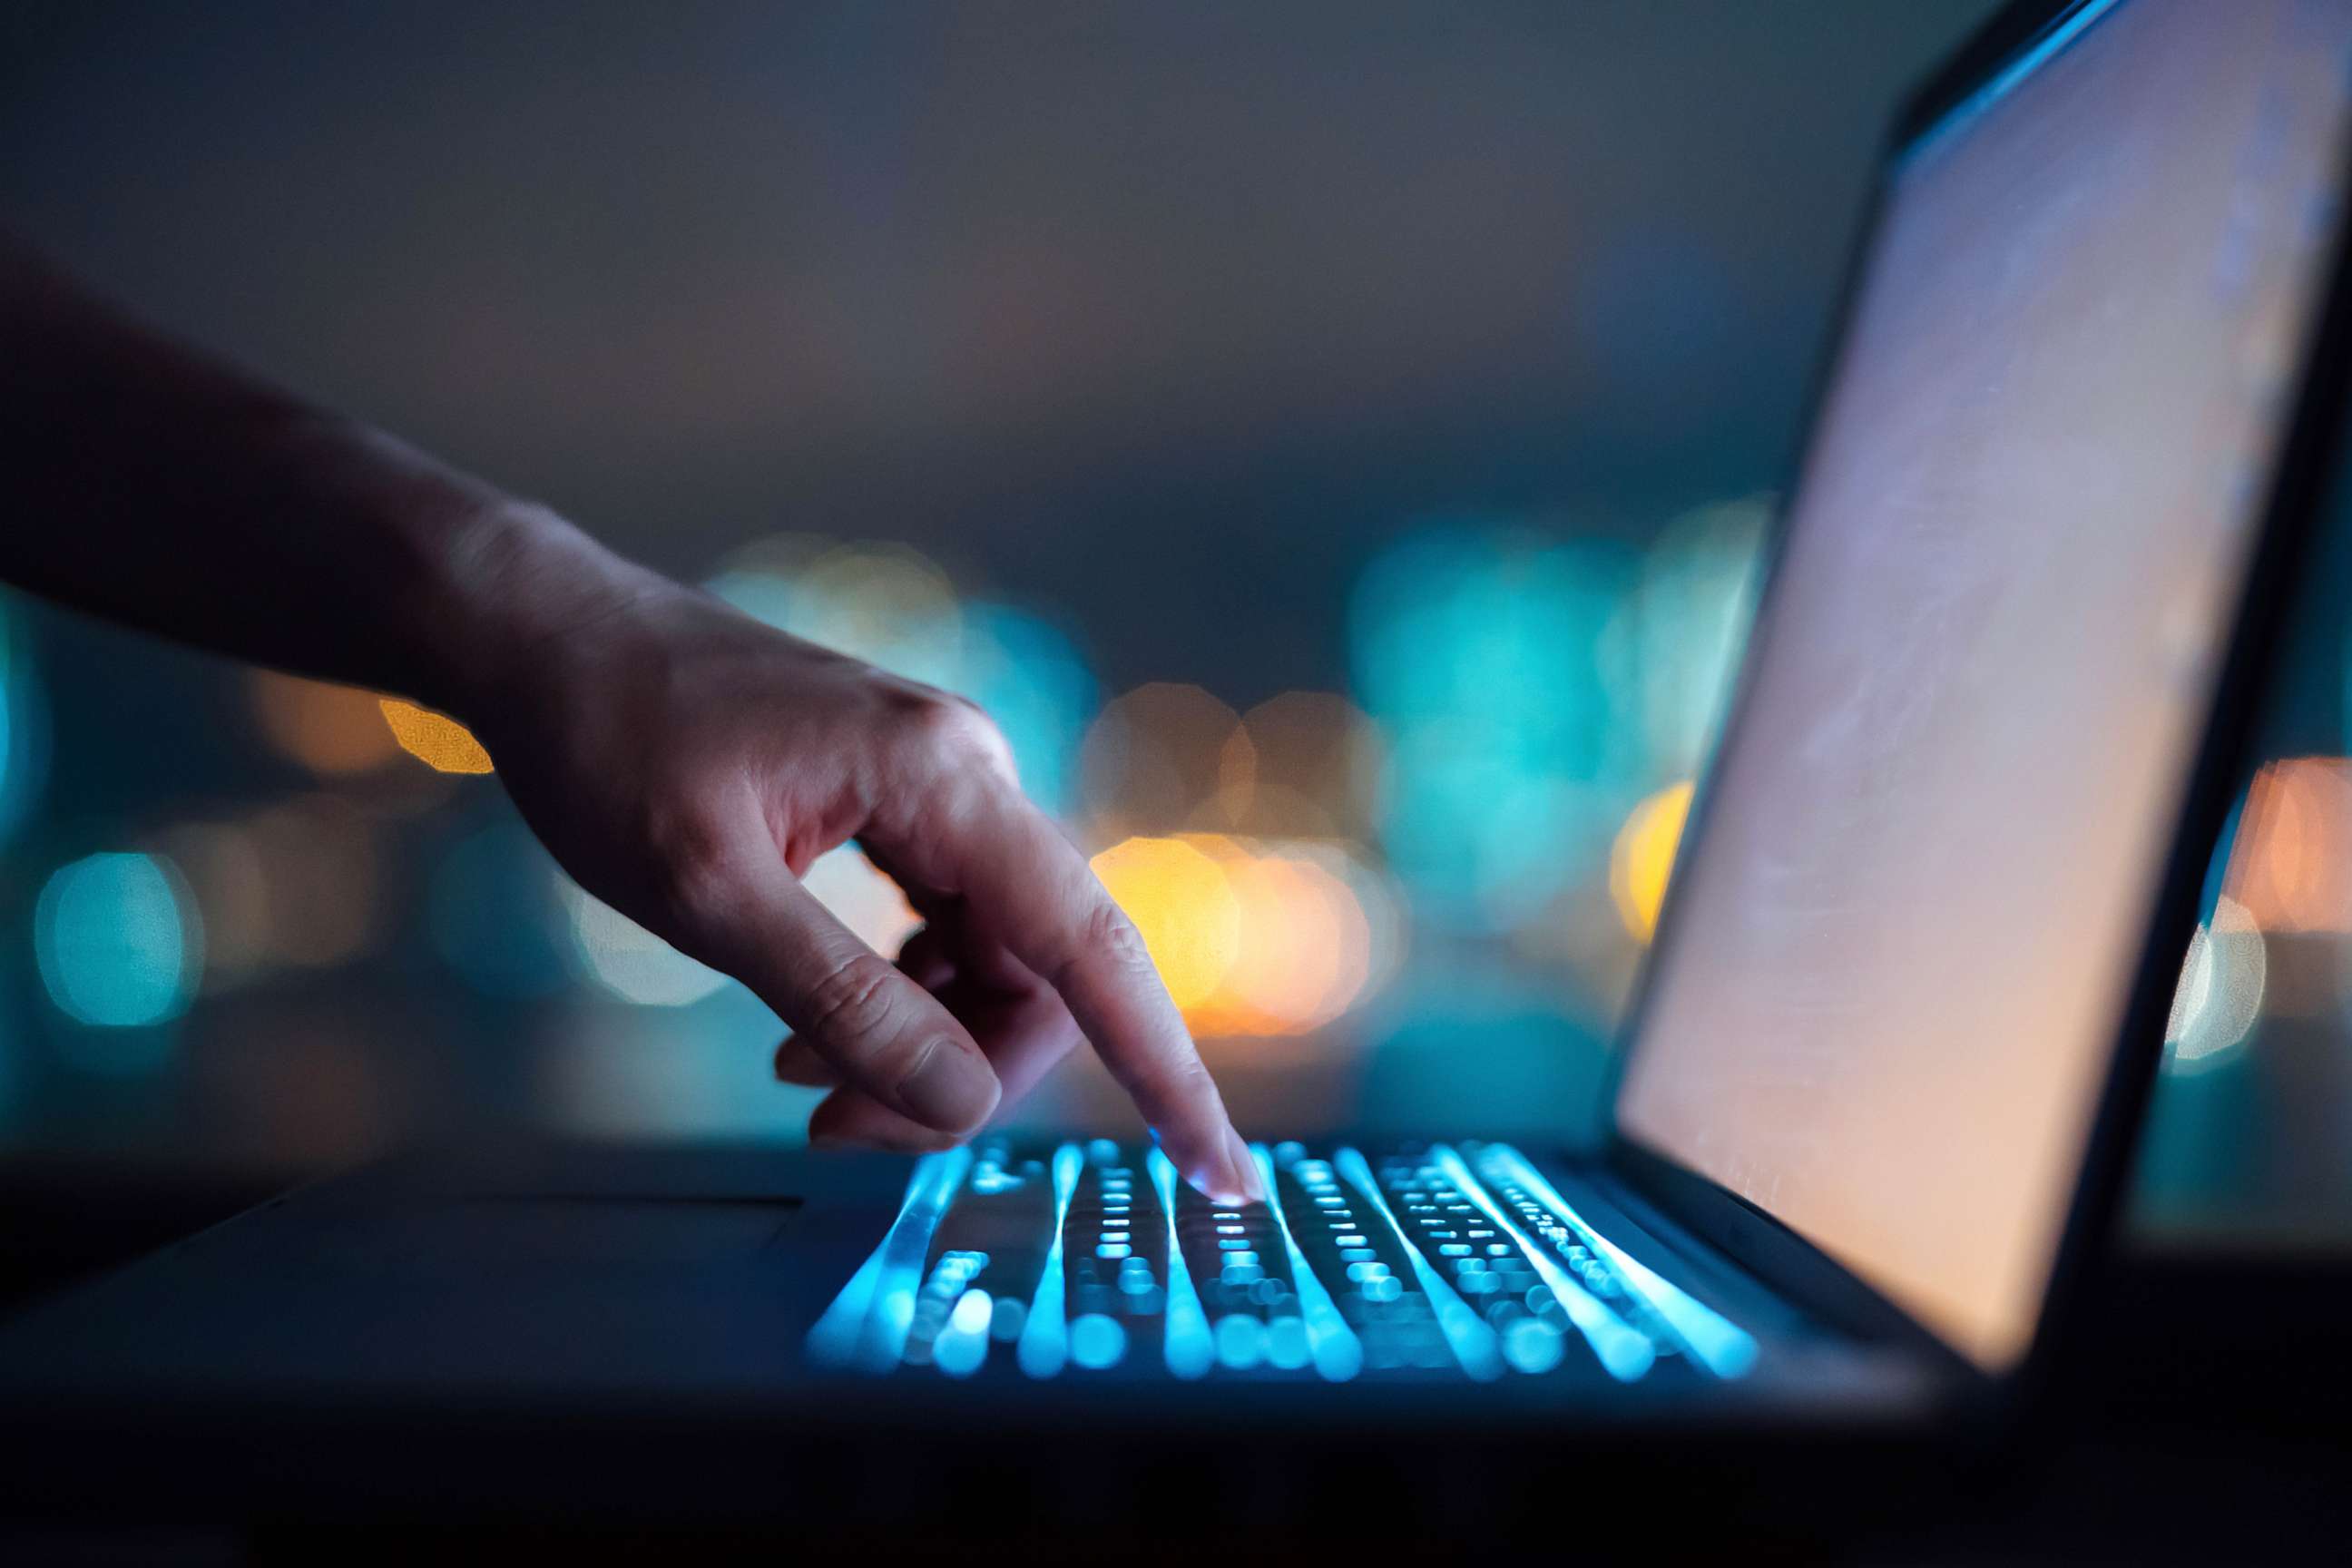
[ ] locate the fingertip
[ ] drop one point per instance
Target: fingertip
(1243, 1164)
(1230, 1177)
(850, 1119)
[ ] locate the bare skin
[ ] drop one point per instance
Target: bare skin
(683, 762)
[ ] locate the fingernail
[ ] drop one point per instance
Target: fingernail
(1245, 1166)
(951, 1090)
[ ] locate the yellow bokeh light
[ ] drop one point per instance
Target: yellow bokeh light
(438, 741)
(333, 730)
(1643, 858)
(1183, 905)
(1305, 952)
(1252, 938)
(889, 604)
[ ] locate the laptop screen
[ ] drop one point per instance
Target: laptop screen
(1903, 939)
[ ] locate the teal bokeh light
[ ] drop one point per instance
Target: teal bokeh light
(494, 918)
(1497, 662)
(1032, 679)
(118, 941)
(1023, 669)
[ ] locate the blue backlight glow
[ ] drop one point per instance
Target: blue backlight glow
(1466, 1333)
(1097, 1340)
(866, 1327)
(1044, 1343)
(1714, 1342)
(1190, 1349)
(1625, 1351)
(1337, 1355)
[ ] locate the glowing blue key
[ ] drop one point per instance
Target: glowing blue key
(1097, 1342)
(1713, 1341)
(866, 1327)
(963, 1345)
(1045, 1342)
(1285, 1343)
(1466, 1333)
(1189, 1348)
(1241, 1341)
(1339, 1354)
(1532, 1346)
(1625, 1351)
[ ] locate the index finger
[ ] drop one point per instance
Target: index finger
(1038, 897)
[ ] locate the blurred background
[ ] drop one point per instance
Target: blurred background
(1335, 443)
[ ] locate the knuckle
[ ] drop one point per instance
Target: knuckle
(693, 857)
(952, 734)
(1104, 932)
(852, 1007)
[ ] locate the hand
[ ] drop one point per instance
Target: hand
(686, 764)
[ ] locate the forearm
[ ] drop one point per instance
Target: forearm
(146, 483)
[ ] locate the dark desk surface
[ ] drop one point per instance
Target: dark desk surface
(2201, 1419)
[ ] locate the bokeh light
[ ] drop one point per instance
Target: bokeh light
(1643, 858)
(1306, 764)
(2221, 991)
(1029, 677)
(437, 740)
(886, 604)
(1487, 656)
(332, 731)
(494, 918)
(1257, 938)
(118, 941)
(320, 863)
(226, 875)
(2290, 866)
(861, 898)
(1305, 952)
(1165, 757)
(891, 605)
(1183, 906)
(629, 960)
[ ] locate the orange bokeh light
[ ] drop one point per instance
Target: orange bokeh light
(2291, 863)
(1254, 938)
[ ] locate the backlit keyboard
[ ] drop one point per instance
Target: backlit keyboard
(1427, 1262)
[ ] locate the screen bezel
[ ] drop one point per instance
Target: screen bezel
(2297, 488)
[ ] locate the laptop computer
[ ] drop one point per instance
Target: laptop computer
(1908, 993)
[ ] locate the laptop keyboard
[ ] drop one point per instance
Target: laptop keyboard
(1421, 1263)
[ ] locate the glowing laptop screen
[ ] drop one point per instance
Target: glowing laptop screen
(1901, 943)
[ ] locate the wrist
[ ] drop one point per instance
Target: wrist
(517, 582)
